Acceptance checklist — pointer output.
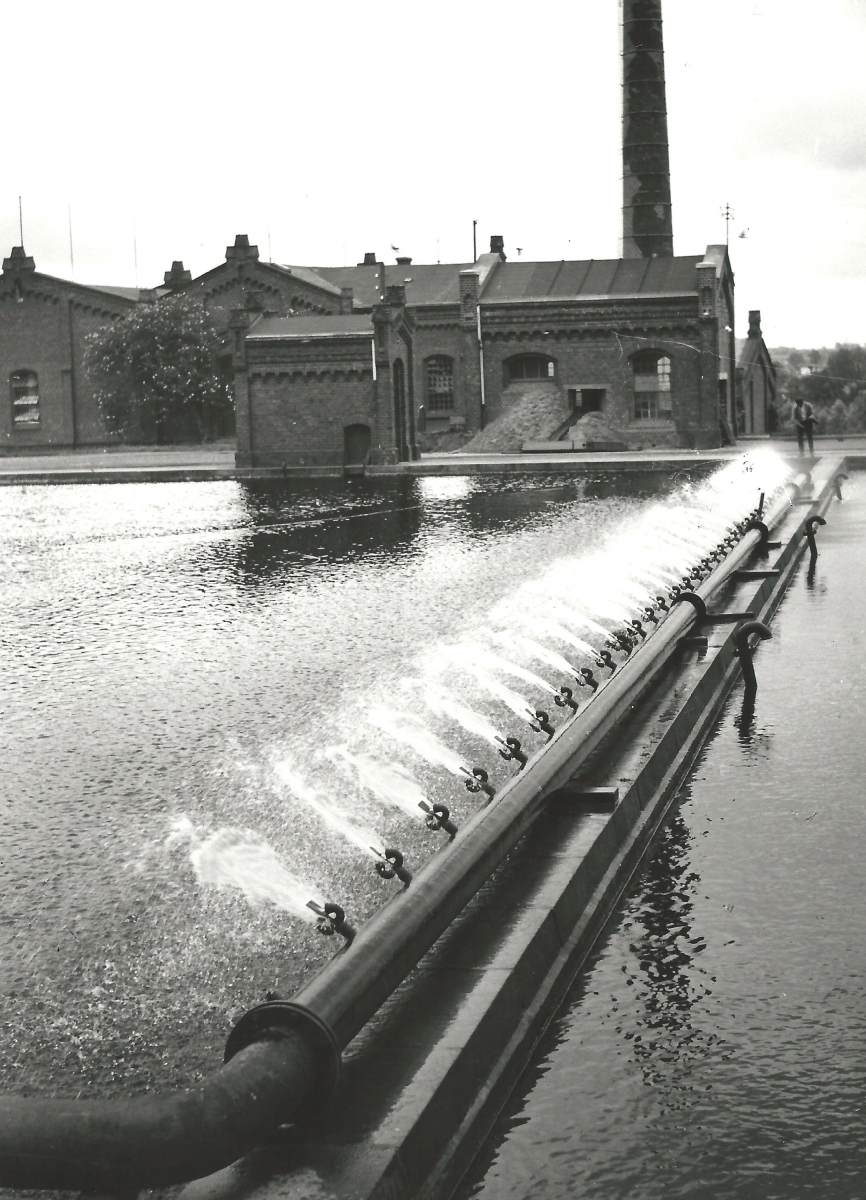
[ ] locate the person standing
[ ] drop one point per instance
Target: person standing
(804, 422)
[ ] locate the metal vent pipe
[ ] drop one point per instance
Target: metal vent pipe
(283, 1057)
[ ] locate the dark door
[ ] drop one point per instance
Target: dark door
(400, 410)
(592, 399)
(356, 444)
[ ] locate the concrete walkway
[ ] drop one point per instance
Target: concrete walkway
(150, 464)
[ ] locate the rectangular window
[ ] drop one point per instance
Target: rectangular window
(440, 384)
(25, 398)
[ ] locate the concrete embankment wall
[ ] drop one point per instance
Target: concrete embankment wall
(427, 1077)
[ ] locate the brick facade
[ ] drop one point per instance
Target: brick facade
(43, 325)
(325, 393)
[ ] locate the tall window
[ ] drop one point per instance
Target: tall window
(529, 366)
(440, 384)
(25, 398)
(652, 387)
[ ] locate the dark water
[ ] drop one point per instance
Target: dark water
(163, 647)
(716, 1047)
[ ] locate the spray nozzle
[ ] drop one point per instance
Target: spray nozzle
(478, 782)
(513, 751)
(544, 725)
(589, 679)
(391, 864)
(565, 699)
(332, 919)
(438, 817)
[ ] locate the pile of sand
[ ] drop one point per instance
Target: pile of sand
(531, 416)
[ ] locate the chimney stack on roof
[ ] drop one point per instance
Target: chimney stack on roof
(369, 259)
(177, 277)
(404, 260)
(755, 323)
(647, 227)
(497, 245)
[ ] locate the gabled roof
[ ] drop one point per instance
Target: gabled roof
(347, 325)
(305, 275)
(129, 293)
(750, 351)
(425, 283)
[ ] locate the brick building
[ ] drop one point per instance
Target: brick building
(756, 382)
(325, 391)
(43, 325)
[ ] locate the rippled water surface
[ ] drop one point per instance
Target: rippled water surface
(716, 1048)
(170, 652)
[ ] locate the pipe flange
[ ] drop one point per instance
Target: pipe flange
(277, 1016)
(695, 600)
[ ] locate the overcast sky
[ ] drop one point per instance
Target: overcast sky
(324, 130)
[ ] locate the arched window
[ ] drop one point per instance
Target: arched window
(25, 398)
(652, 386)
(529, 366)
(439, 381)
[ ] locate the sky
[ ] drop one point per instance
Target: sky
(326, 130)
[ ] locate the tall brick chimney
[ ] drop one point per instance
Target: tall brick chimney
(647, 229)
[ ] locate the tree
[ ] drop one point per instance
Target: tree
(154, 372)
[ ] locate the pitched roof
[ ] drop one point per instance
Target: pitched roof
(425, 283)
(128, 293)
(306, 275)
(593, 277)
(346, 325)
(438, 283)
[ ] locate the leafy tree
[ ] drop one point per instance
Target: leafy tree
(154, 371)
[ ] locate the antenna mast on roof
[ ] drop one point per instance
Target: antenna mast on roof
(729, 214)
(135, 248)
(71, 253)
(474, 247)
(20, 223)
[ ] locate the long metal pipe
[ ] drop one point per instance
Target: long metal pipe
(283, 1056)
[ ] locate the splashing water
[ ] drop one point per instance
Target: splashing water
(409, 730)
(471, 656)
(535, 650)
(391, 783)
(365, 839)
(242, 859)
(444, 704)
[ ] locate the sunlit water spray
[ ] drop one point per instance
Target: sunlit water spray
(364, 839)
(391, 783)
(243, 860)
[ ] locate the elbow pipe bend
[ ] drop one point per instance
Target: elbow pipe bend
(118, 1146)
(744, 651)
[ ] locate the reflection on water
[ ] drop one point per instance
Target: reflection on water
(716, 1046)
(166, 647)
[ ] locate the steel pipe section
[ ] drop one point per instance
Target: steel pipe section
(118, 1146)
(283, 1057)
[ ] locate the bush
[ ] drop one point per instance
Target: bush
(154, 371)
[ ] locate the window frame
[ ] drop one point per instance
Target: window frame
(20, 386)
(432, 408)
(525, 357)
(652, 404)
